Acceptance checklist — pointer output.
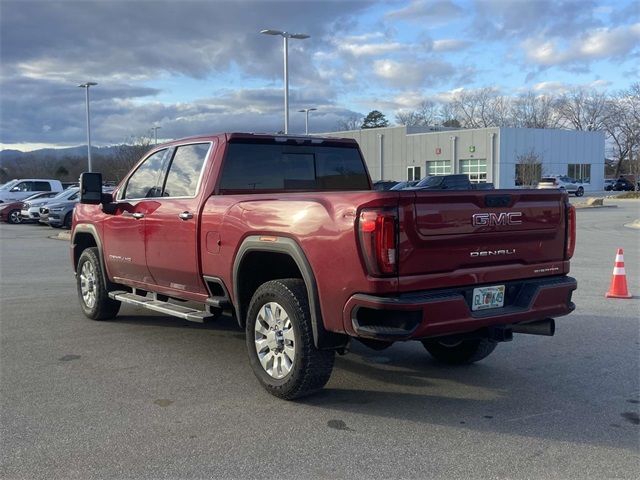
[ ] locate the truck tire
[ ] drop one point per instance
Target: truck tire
(280, 341)
(463, 352)
(92, 292)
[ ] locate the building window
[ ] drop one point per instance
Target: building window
(413, 173)
(476, 169)
(439, 167)
(580, 172)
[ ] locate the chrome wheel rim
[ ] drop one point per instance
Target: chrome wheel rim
(88, 284)
(15, 217)
(274, 340)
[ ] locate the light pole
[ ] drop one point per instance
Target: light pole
(306, 118)
(86, 87)
(286, 36)
(155, 133)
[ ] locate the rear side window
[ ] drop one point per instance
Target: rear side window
(42, 187)
(185, 169)
(145, 181)
(255, 167)
(457, 182)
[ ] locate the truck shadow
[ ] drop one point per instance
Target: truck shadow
(523, 391)
(496, 395)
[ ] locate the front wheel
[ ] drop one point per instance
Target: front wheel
(14, 217)
(92, 291)
(580, 192)
(462, 352)
(280, 341)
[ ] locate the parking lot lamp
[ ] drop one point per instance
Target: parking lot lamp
(286, 36)
(86, 86)
(155, 134)
(306, 118)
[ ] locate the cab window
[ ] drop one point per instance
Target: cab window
(146, 181)
(185, 169)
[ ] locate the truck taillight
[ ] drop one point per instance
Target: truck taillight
(378, 240)
(571, 231)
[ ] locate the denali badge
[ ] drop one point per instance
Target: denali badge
(493, 219)
(491, 253)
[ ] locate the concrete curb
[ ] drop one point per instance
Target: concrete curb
(65, 236)
(635, 224)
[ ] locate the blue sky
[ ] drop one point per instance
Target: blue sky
(197, 67)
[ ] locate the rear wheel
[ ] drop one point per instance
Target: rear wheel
(14, 217)
(461, 352)
(67, 221)
(580, 192)
(280, 341)
(92, 291)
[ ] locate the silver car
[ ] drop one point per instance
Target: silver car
(31, 208)
(562, 182)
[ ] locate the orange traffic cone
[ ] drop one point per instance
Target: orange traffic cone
(618, 288)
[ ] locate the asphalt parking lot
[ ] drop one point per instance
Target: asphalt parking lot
(148, 396)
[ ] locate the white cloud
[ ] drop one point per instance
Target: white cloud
(370, 49)
(411, 73)
(598, 44)
(436, 12)
(450, 45)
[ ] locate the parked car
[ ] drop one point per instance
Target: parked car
(449, 182)
(31, 208)
(403, 185)
(22, 188)
(608, 184)
(384, 184)
(60, 213)
(10, 212)
(562, 182)
(288, 234)
(623, 185)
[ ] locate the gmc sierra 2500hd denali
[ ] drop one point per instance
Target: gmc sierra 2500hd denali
(287, 234)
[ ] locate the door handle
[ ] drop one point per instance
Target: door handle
(136, 215)
(185, 215)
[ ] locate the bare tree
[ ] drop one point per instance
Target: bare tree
(424, 115)
(448, 117)
(584, 110)
(354, 122)
(534, 111)
(125, 157)
(528, 168)
(474, 109)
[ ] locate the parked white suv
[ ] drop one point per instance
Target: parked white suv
(563, 182)
(22, 188)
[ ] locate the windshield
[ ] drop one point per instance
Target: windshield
(39, 196)
(65, 193)
(432, 181)
(8, 185)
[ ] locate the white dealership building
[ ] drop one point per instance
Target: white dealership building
(496, 155)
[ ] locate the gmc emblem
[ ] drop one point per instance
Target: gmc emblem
(494, 219)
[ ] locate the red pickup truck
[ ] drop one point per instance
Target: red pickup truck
(287, 234)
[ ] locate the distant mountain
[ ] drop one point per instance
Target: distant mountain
(8, 157)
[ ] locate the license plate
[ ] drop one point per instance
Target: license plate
(488, 297)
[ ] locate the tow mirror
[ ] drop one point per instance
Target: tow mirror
(91, 188)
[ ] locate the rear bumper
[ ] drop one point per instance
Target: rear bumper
(443, 312)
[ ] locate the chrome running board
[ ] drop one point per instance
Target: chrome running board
(152, 303)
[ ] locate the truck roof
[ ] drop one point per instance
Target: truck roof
(230, 136)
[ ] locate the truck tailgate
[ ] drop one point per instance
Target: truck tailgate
(452, 231)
